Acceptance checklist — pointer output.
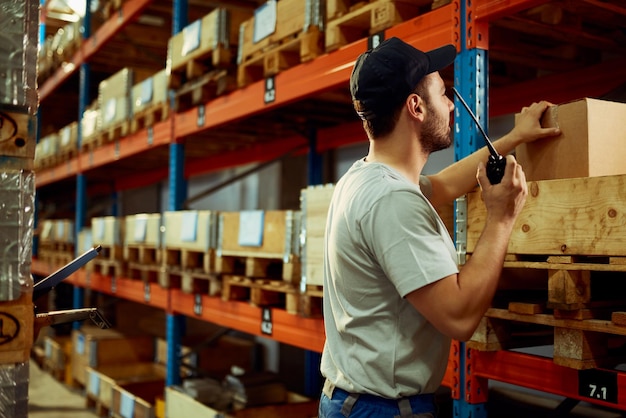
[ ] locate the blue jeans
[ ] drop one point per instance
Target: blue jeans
(344, 405)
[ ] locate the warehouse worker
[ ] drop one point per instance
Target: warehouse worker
(394, 296)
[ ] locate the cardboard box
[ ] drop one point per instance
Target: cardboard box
(290, 18)
(68, 138)
(136, 399)
(114, 96)
(263, 234)
(102, 380)
(194, 230)
(143, 229)
(107, 230)
(151, 91)
(314, 204)
(215, 34)
(94, 347)
(591, 142)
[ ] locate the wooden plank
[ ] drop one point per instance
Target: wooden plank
(557, 218)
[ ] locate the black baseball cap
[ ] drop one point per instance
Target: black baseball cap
(384, 76)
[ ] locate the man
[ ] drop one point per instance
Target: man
(393, 294)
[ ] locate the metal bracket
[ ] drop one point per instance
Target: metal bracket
(197, 304)
(150, 135)
(201, 115)
(146, 292)
(461, 229)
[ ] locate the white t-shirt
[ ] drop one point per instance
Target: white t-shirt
(383, 241)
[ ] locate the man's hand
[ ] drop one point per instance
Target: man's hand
(504, 201)
(528, 123)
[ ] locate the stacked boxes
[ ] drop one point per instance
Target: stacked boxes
(281, 34)
(211, 39)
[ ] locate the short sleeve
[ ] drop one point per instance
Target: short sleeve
(409, 241)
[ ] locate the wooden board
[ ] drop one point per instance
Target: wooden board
(580, 216)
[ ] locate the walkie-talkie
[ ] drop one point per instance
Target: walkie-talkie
(496, 162)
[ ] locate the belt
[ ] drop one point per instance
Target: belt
(423, 401)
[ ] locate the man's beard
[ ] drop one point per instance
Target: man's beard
(435, 135)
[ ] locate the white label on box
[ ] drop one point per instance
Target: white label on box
(98, 228)
(147, 87)
(60, 230)
(93, 386)
(264, 21)
(141, 228)
(191, 37)
(127, 405)
(80, 344)
(109, 110)
(251, 228)
(65, 136)
(189, 227)
(48, 349)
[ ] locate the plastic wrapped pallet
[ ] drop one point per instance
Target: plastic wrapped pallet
(18, 108)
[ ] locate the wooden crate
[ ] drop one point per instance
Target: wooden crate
(580, 216)
(94, 347)
(296, 37)
(350, 20)
(180, 405)
(590, 143)
(102, 380)
(260, 241)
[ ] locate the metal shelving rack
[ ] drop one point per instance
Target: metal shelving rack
(464, 23)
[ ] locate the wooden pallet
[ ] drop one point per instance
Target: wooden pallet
(279, 56)
(260, 267)
(260, 292)
(192, 282)
(106, 135)
(110, 268)
(189, 260)
(203, 88)
(147, 273)
(147, 117)
(310, 302)
(566, 301)
(349, 20)
(143, 254)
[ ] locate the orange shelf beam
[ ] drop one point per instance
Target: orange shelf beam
(130, 11)
(324, 73)
(306, 333)
(125, 147)
(540, 373)
(488, 10)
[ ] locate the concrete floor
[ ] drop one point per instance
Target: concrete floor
(49, 398)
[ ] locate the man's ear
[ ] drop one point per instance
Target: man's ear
(415, 106)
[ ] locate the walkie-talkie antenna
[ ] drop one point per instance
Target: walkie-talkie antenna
(492, 150)
(496, 163)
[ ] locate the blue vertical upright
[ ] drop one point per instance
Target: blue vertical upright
(177, 195)
(81, 181)
(470, 79)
